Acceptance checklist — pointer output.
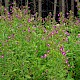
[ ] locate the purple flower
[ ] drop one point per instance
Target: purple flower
(44, 56)
(45, 31)
(66, 61)
(58, 14)
(64, 53)
(67, 33)
(61, 48)
(48, 45)
(52, 33)
(25, 11)
(54, 26)
(29, 20)
(56, 32)
(28, 29)
(67, 13)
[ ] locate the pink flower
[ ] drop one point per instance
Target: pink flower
(28, 29)
(2, 56)
(67, 13)
(44, 56)
(67, 61)
(54, 26)
(67, 33)
(66, 39)
(52, 33)
(58, 14)
(45, 31)
(56, 32)
(68, 65)
(9, 37)
(48, 45)
(29, 20)
(48, 51)
(64, 53)
(61, 48)
(79, 35)
(25, 11)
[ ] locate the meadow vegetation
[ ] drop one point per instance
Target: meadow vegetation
(38, 49)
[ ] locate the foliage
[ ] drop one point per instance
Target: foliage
(38, 50)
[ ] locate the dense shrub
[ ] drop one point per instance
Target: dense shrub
(38, 50)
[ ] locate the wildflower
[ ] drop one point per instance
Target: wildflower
(67, 33)
(29, 20)
(44, 56)
(68, 65)
(48, 45)
(78, 35)
(67, 13)
(52, 33)
(45, 31)
(66, 39)
(61, 48)
(48, 51)
(58, 14)
(64, 53)
(54, 26)
(56, 32)
(25, 11)
(67, 61)
(9, 37)
(2, 56)
(28, 29)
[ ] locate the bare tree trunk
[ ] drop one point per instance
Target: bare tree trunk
(72, 6)
(34, 6)
(0, 7)
(60, 5)
(6, 4)
(27, 4)
(55, 4)
(21, 2)
(40, 8)
(1, 1)
(66, 6)
(63, 7)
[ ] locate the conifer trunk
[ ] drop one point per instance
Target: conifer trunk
(72, 6)
(55, 5)
(6, 4)
(40, 8)
(63, 7)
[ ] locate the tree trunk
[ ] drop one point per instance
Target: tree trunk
(34, 6)
(55, 4)
(60, 5)
(63, 7)
(6, 4)
(67, 6)
(40, 8)
(0, 1)
(72, 6)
